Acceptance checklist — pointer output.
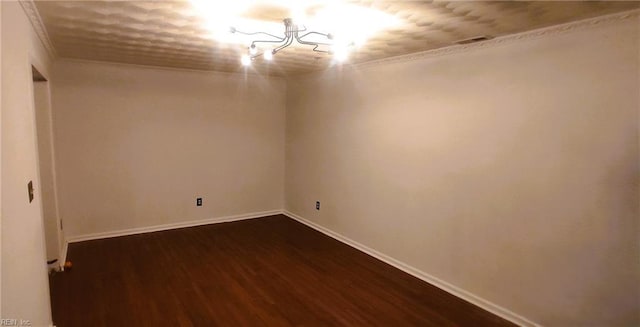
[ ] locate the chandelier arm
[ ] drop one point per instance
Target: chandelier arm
(262, 33)
(283, 45)
(321, 51)
(268, 41)
(304, 28)
(315, 44)
(312, 32)
(286, 44)
(289, 38)
(312, 43)
(292, 30)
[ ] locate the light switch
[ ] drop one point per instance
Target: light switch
(30, 189)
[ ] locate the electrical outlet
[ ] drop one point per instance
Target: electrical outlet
(317, 205)
(199, 202)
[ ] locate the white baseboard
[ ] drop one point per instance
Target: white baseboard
(447, 287)
(142, 230)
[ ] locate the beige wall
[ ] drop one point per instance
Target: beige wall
(135, 146)
(1, 161)
(25, 291)
(510, 171)
(46, 168)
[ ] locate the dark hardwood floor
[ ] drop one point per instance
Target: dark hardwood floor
(270, 271)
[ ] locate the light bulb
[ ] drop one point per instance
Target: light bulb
(340, 53)
(253, 50)
(245, 60)
(268, 55)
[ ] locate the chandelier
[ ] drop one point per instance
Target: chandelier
(292, 32)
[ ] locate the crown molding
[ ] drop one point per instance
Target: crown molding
(30, 9)
(529, 35)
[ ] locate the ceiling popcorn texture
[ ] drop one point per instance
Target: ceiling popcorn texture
(173, 33)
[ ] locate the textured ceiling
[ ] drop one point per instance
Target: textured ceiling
(172, 34)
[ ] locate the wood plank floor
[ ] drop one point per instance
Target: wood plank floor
(269, 271)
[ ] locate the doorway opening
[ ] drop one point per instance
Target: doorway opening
(53, 232)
